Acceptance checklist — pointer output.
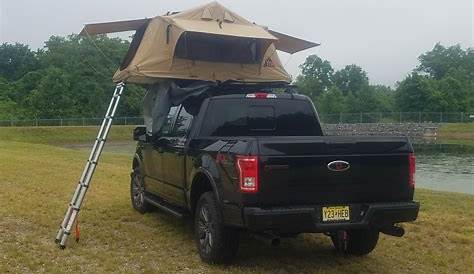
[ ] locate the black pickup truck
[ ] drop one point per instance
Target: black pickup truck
(259, 162)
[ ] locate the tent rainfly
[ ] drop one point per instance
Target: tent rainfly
(209, 43)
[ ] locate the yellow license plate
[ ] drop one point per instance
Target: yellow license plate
(336, 213)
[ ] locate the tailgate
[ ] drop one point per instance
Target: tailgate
(294, 170)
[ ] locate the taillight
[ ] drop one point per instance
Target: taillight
(248, 173)
(411, 169)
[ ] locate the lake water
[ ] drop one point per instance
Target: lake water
(437, 171)
(445, 171)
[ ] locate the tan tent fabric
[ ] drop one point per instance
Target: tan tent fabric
(291, 44)
(155, 56)
(153, 53)
(118, 26)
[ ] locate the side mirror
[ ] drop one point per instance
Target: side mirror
(161, 142)
(139, 134)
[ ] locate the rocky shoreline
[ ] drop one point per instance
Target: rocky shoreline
(423, 133)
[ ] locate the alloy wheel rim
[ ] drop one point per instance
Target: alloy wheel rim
(205, 232)
(137, 191)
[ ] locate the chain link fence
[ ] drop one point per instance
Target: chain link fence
(334, 118)
(63, 122)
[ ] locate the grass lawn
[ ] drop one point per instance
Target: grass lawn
(63, 135)
(457, 133)
(37, 181)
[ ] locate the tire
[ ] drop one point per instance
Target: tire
(137, 192)
(215, 242)
(359, 242)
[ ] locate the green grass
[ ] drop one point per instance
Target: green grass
(457, 133)
(37, 181)
(63, 135)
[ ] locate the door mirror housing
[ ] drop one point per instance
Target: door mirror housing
(139, 134)
(161, 142)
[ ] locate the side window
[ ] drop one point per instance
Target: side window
(182, 124)
(166, 128)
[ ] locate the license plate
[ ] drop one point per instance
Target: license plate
(336, 213)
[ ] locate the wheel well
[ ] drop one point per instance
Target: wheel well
(201, 184)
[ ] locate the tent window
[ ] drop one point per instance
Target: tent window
(218, 48)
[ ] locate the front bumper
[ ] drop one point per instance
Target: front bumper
(299, 219)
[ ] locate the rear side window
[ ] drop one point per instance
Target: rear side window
(237, 117)
(182, 124)
(166, 128)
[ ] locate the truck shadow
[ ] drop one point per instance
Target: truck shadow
(306, 252)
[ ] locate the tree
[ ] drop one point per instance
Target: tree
(447, 83)
(331, 101)
(315, 77)
(16, 60)
(385, 98)
(351, 78)
(440, 60)
(52, 98)
(8, 108)
(455, 96)
(418, 93)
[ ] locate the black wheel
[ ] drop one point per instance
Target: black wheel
(216, 243)
(358, 242)
(137, 192)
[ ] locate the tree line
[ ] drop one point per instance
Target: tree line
(442, 82)
(71, 77)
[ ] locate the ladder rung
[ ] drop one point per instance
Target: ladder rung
(74, 207)
(82, 184)
(101, 139)
(92, 162)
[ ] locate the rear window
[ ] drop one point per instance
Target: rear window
(267, 117)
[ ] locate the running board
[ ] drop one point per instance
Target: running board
(165, 206)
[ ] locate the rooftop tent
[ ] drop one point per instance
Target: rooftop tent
(209, 43)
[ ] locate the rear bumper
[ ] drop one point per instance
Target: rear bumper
(299, 219)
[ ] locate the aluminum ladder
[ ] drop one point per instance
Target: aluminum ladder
(81, 189)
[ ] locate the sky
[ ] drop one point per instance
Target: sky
(384, 37)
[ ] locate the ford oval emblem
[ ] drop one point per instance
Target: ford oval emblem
(338, 165)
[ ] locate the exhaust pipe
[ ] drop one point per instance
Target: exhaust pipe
(269, 239)
(393, 231)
